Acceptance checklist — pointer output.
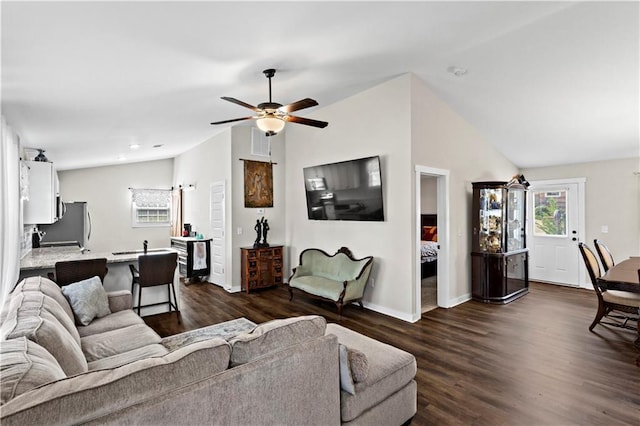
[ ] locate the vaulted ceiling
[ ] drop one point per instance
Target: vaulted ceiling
(546, 82)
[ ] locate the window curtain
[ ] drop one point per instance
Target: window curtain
(10, 217)
(176, 214)
(151, 197)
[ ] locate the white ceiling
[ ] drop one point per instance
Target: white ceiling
(547, 83)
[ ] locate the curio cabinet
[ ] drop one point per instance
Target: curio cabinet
(499, 256)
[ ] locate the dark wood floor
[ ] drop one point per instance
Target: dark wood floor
(531, 362)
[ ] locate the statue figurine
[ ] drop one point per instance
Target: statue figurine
(265, 229)
(258, 229)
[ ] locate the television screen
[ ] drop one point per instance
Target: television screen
(349, 190)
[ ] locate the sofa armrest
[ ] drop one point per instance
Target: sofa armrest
(120, 300)
(300, 271)
(354, 289)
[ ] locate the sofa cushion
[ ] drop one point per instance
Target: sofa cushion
(275, 335)
(92, 395)
(46, 286)
(390, 369)
(319, 286)
(114, 321)
(114, 342)
(25, 365)
(44, 329)
(88, 299)
(37, 301)
(128, 357)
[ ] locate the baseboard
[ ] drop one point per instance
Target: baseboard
(232, 289)
(390, 312)
(459, 300)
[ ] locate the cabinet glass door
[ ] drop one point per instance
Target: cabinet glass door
(491, 220)
(515, 220)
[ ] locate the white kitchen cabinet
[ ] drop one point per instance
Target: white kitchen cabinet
(41, 207)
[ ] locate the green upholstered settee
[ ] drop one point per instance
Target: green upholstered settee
(339, 278)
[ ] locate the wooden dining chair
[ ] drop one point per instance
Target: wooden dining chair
(72, 271)
(155, 270)
(609, 300)
(605, 255)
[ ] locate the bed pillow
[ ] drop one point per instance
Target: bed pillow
(429, 233)
(88, 300)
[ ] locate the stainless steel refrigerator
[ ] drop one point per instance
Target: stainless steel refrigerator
(75, 225)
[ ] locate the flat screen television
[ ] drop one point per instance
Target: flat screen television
(348, 190)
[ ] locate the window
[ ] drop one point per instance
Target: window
(550, 213)
(150, 207)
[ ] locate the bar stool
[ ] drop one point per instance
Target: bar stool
(155, 270)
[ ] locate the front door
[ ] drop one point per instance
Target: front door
(554, 229)
(218, 242)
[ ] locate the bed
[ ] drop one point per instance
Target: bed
(429, 245)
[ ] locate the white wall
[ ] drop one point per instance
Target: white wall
(442, 139)
(612, 199)
(360, 127)
(106, 191)
(201, 166)
(245, 218)
(218, 159)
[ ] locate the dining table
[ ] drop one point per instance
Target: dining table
(624, 276)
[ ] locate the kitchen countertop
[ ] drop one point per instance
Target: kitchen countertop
(46, 257)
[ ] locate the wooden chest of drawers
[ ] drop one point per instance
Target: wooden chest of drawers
(261, 267)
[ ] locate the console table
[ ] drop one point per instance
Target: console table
(261, 267)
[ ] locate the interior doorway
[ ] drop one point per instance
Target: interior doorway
(428, 242)
(432, 193)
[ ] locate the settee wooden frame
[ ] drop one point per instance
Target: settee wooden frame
(340, 302)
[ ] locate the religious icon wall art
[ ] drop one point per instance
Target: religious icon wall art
(258, 184)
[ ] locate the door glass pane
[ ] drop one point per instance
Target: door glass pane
(550, 211)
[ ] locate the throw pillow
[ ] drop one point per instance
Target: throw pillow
(88, 299)
(25, 365)
(346, 381)
(358, 364)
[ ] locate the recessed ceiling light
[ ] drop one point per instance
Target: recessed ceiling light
(121, 158)
(457, 71)
(158, 145)
(134, 146)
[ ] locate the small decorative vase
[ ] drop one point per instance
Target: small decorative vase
(41, 156)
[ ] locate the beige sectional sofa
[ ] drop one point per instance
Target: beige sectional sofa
(115, 370)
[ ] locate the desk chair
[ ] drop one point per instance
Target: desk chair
(609, 300)
(77, 270)
(605, 255)
(155, 270)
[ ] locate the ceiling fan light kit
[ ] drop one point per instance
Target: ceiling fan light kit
(270, 124)
(272, 116)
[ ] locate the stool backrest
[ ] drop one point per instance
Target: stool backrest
(77, 270)
(157, 269)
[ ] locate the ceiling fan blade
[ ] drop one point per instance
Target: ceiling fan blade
(306, 121)
(302, 104)
(238, 102)
(232, 120)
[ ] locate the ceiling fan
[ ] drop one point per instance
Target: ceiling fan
(271, 116)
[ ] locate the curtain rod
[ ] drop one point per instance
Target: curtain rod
(256, 161)
(153, 189)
